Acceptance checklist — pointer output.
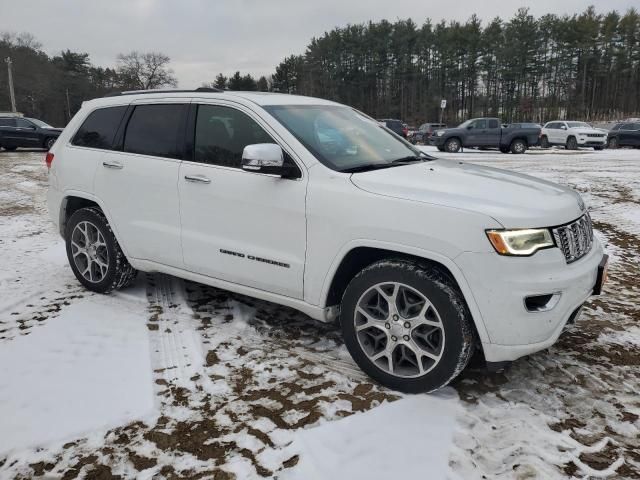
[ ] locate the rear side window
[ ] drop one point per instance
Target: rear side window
(7, 122)
(155, 130)
(222, 133)
(99, 129)
(494, 124)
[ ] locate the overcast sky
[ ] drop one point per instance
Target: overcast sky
(206, 37)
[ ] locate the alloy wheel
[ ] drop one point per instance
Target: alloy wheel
(89, 251)
(399, 329)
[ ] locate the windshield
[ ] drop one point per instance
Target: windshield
(40, 123)
(464, 124)
(344, 139)
(578, 125)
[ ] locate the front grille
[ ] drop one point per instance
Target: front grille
(597, 135)
(575, 238)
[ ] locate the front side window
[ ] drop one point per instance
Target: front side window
(222, 133)
(479, 124)
(342, 138)
(155, 129)
(99, 129)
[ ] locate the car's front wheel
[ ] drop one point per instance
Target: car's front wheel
(572, 144)
(406, 326)
(95, 257)
(452, 145)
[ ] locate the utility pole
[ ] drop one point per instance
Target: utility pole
(11, 93)
(68, 106)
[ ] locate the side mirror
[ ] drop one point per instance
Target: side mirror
(563, 127)
(469, 127)
(264, 158)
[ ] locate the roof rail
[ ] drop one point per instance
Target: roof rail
(140, 92)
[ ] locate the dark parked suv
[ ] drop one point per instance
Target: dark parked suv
(396, 126)
(625, 134)
(26, 132)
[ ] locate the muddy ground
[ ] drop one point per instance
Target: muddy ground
(235, 377)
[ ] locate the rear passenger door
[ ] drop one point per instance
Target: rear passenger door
(240, 226)
(493, 132)
(137, 181)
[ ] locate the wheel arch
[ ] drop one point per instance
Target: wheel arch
(75, 200)
(355, 257)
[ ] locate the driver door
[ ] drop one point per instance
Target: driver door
(477, 132)
(240, 226)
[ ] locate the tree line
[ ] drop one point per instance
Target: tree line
(53, 88)
(584, 66)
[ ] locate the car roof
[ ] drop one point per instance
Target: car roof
(259, 98)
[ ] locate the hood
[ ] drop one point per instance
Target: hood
(513, 199)
(585, 131)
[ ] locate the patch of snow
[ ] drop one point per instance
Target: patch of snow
(408, 438)
(89, 369)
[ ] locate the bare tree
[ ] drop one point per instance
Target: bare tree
(145, 71)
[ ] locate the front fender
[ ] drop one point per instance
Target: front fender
(417, 252)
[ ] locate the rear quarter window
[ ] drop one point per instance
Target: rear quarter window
(7, 122)
(99, 128)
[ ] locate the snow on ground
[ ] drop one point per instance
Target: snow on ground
(171, 379)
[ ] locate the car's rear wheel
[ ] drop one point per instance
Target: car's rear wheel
(452, 145)
(95, 257)
(406, 326)
(613, 143)
(544, 142)
(572, 143)
(518, 146)
(48, 143)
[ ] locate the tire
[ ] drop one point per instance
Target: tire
(598, 148)
(544, 142)
(518, 146)
(441, 149)
(572, 144)
(452, 145)
(48, 143)
(613, 143)
(451, 342)
(102, 267)
(10, 149)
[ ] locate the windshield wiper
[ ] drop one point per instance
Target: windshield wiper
(409, 159)
(368, 166)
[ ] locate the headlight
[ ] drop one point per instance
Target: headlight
(440, 133)
(520, 242)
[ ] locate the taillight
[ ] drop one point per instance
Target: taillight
(49, 159)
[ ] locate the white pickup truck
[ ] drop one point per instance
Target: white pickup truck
(312, 204)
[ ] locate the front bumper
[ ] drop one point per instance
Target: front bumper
(436, 141)
(500, 284)
(592, 141)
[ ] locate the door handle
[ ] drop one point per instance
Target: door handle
(114, 165)
(197, 179)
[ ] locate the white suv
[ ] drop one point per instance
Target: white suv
(572, 135)
(314, 205)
